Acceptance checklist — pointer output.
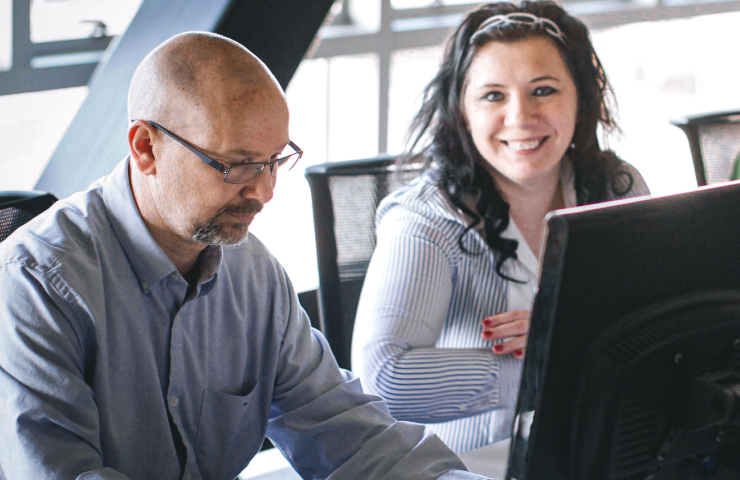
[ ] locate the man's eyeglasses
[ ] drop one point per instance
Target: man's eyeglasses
(242, 172)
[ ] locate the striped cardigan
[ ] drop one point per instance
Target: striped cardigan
(417, 340)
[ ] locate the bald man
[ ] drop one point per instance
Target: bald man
(145, 334)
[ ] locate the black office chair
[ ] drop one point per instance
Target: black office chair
(714, 140)
(17, 208)
(345, 196)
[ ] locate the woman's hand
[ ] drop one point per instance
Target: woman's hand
(512, 326)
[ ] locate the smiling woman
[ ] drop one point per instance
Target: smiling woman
(508, 131)
(520, 105)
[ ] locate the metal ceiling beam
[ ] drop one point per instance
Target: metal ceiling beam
(278, 31)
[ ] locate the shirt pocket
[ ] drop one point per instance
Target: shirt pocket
(231, 430)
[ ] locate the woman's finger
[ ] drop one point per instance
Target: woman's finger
(515, 345)
(513, 329)
(506, 317)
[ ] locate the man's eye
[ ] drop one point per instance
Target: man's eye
(544, 91)
(251, 167)
(493, 97)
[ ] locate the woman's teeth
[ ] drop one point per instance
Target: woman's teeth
(524, 145)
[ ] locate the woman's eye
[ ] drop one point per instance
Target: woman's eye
(493, 97)
(544, 91)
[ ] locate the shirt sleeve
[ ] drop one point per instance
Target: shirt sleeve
(403, 308)
(326, 427)
(48, 418)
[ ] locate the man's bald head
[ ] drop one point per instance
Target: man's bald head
(194, 74)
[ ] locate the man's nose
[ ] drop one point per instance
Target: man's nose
(261, 187)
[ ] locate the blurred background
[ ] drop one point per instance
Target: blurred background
(355, 91)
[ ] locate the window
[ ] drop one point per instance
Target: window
(356, 95)
(411, 70)
(31, 126)
(653, 83)
(6, 34)
(54, 20)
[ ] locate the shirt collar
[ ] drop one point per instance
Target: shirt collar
(147, 259)
(525, 256)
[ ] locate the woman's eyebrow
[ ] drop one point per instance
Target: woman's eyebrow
(489, 85)
(546, 77)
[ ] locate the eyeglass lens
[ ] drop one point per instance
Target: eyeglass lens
(243, 173)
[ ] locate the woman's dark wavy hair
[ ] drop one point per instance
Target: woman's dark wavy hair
(440, 121)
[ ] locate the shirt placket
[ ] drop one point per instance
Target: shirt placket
(176, 389)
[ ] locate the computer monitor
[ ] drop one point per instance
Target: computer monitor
(632, 367)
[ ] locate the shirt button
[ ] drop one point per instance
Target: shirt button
(174, 401)
(188, 477)
(144, 284)
(173, 276)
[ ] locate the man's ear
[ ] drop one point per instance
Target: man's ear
(141, 146)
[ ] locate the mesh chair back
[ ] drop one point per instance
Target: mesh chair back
(345, 196)
(17, 208)
(714, 140)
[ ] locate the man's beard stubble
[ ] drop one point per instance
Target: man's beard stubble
(213, 232)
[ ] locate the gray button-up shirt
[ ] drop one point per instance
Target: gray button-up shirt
(107, 370)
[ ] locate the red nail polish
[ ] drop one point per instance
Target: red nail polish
(519, 353)
(487, 334)
(486, 323)
(498, 348)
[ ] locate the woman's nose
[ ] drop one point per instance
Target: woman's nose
(520, 111)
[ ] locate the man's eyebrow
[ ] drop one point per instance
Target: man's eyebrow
(243, 153)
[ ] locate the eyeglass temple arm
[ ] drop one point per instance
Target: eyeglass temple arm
(213, 163)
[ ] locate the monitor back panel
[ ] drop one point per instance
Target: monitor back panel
(599, 264)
